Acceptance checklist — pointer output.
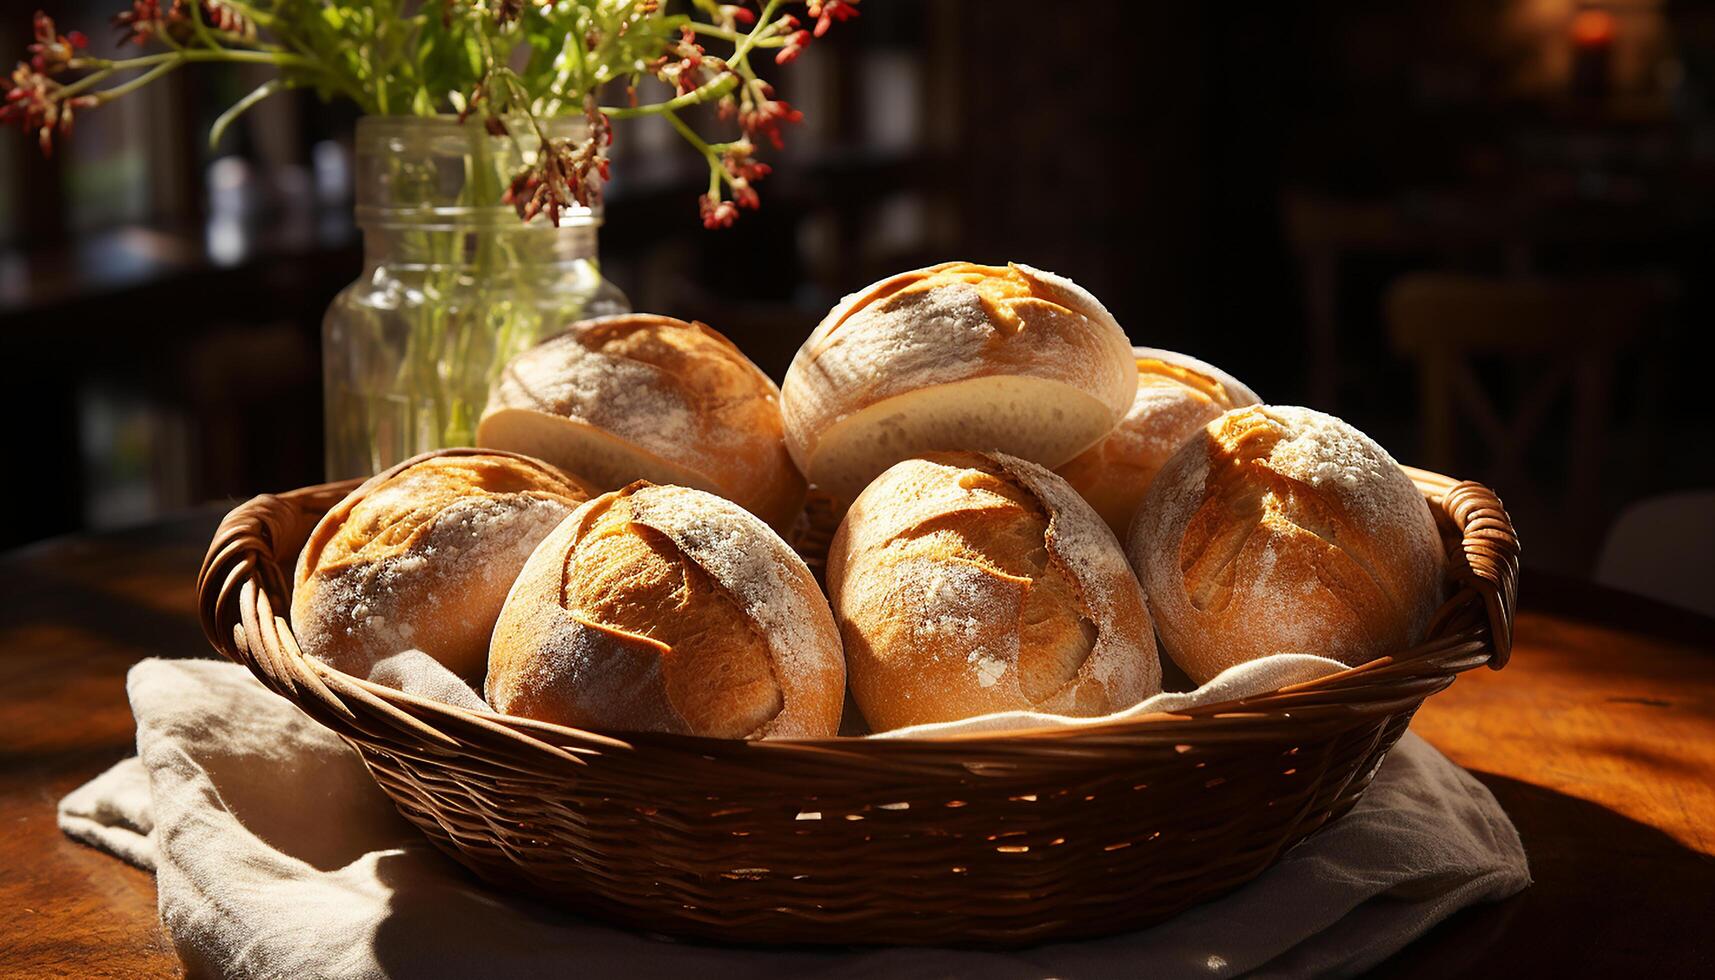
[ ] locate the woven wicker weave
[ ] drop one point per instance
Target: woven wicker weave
(993, 839)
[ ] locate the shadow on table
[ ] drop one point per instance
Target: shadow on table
(1620, 911)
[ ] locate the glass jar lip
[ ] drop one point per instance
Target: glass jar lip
(561, 127)
(404, 136)
(470, 219)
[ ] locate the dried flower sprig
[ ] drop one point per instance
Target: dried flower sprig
(511, 62)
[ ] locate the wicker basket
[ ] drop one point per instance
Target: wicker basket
(992, 839)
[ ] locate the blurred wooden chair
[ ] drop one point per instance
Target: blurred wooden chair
(1558, 342)
(1450, 230)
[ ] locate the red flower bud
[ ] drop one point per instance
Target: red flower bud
(716, 213)
(827, 12)
(795, 44)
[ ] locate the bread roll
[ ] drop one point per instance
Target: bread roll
(955, 356)
(420, 557)
(1176, 396)
(1283, 530)
(969, 583)
(644, 397)
(668, 609)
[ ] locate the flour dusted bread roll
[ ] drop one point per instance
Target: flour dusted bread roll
(1283, 530)
(955, 356)
(970, 583)
(644, 397)
(421, 556)
(1176, 396)
(668, 609)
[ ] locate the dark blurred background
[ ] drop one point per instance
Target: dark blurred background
(1477, 229)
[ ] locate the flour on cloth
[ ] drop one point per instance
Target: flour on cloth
(276, 856)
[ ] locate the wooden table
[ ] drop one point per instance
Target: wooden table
(1599, 740)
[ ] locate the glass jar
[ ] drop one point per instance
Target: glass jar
(453, 286)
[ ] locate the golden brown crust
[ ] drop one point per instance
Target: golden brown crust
(630, 580)
(1176, 396)
(621, 623)
(671, 390)
(963, 587)
(999, 288)
(1279, 530)
(421, 556)
(394, 512)
(948, 323)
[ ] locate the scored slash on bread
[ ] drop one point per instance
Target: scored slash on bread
(953, 356)
(970, 583)
(1284, 530)
(662, 608)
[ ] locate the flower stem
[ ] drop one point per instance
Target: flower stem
(764, 27)
(717, 172)
(690, 135)
(107, 95)
(153, 66)
(711, 30)
(712, 89)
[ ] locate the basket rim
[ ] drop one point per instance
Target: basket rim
(244, 565)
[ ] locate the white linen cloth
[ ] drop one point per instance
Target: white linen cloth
(276, 856)
(1239, 681)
